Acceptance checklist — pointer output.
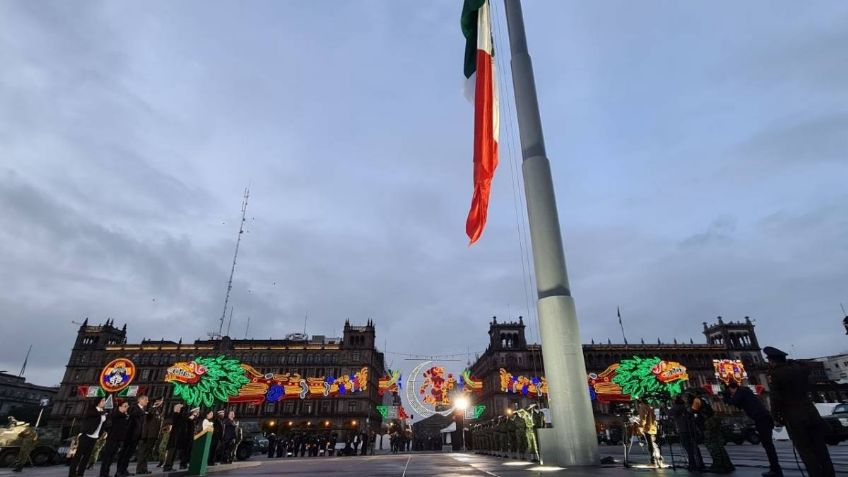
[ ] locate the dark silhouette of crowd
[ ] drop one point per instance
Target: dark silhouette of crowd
(320, 444)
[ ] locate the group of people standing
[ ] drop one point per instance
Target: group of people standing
(143, 430)
(791, 407)
(302, 444)
(117, 436)
(186, 425)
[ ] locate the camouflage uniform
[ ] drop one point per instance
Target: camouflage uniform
(512, 438)
(503, 440)
(714, 442)
(520, 435)
(95, 452)
(29, 438)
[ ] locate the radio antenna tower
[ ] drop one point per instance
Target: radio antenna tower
(235, 258)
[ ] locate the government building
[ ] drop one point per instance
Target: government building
(508, 350)
(305, 383)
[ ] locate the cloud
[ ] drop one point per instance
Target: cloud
(699, 179)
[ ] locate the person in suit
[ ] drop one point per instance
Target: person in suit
(137, 413)
(90, 429)
(215, 450)
(117, 425)
(149, 433)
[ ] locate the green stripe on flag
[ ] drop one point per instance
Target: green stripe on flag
(468, 21)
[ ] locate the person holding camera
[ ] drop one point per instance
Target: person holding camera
(744, 399)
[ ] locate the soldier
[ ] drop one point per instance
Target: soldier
(503, 445)
(520, 434)
(512, 436)
(98, 447)
(792, 406)
(162, 448)
(29, 437)
(529, 433)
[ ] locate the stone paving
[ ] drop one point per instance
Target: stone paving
(749, 459)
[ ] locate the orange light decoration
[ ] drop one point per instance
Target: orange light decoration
(730, 369)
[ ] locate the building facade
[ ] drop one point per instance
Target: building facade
(297, 354)
(835, 367)
(22, 399)
(508, 349)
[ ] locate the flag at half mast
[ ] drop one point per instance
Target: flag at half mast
(480, 73)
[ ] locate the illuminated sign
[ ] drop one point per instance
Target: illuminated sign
(522, 384)
(117, 375)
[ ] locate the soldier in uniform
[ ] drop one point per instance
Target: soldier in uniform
(29, 438)
(792, 406)
(520, 433)
(512, 438)
(98, 447)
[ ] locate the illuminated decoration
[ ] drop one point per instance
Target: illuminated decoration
(97, 391)
(729, 369)
(392, 412)
(209, 380)
(474, 412)
(390, 383)
(647, 377)
(117, 375)
(468, 384)
(436, 386)
(430, 390)
(522, 384)
(603, 389)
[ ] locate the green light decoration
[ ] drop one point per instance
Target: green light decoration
(384, 411)
(478, 411)
(214, 380)
(650, 378)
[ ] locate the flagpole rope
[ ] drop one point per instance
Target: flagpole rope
(514, 176)
(517, 187)
(517, 182)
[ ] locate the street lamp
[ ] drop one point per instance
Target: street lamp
(461, 403)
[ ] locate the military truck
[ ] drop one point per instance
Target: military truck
(44, 453)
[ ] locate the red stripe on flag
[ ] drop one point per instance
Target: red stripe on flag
(485, 147)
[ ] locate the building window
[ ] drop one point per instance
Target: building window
(326, 407)
(270, 407)
(352, 406)
(307, 407)
(288, 407)
(145, 374)
(356, 356)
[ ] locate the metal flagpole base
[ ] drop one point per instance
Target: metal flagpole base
(568, 392)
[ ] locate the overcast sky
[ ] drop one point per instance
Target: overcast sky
(699, 152)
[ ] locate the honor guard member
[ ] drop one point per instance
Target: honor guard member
(792, 406)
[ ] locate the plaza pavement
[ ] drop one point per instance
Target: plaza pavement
(749, 459)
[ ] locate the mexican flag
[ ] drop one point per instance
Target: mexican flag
(480, 71)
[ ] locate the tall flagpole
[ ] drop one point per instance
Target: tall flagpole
(573, 433)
